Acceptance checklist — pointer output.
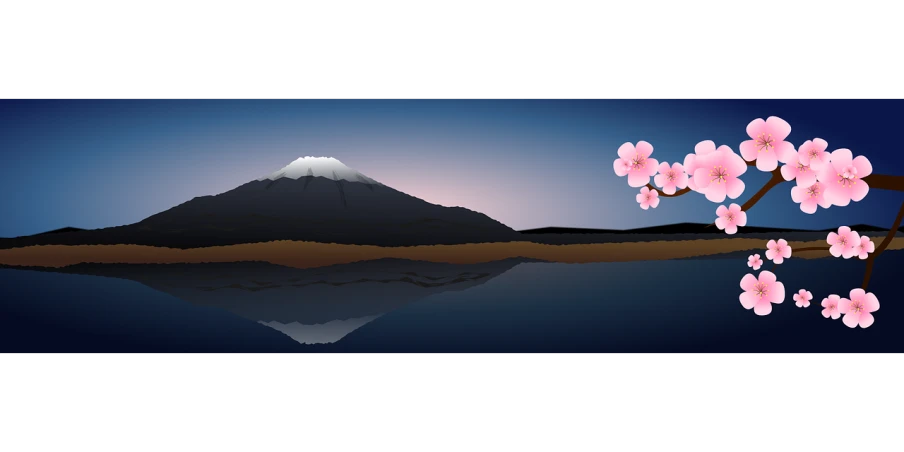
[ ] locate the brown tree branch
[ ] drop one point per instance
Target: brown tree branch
(775, 180)
(885, 182)
(882, 246)
(661, 193)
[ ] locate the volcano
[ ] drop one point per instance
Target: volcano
(315, 199)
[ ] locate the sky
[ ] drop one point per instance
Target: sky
(526, 163)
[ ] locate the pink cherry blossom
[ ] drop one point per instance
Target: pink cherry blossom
(797, 170)
(690, 161)
(778, 251)
(621, 167)
(831, 306)
(754, 262)
(728, 219)
(858, 310)
(648, 198)
(640, 167)
(844, 243)
(802, 298)
(760, 293)
(768, 145)
(810, 196)
(717, 174)
(813, 153)
(671, 178)
(843, 177)
(865, 247)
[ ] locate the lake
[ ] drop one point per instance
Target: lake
(388, 305)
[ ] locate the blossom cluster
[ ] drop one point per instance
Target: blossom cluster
(822, 178)
(764, 290)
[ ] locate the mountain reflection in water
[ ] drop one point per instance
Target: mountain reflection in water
(312, 306)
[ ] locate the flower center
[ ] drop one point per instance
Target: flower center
(802, 168)
(813, 153)
(670, 176)
(842, 241)
(638, 162)
(730, 217)
(856, 307)
(718, 174)
(764, 142)
(848, 177)
(832, 306)
(760, 289)
(813, 191)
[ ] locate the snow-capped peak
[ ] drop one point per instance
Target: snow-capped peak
(327, 167)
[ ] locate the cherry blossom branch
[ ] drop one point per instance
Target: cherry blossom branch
(775, 180)
(664, 195)
(882, 246)
(885, 182)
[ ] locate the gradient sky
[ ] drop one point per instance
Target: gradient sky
(526, 163)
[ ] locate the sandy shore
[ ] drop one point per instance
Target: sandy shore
(310, 254)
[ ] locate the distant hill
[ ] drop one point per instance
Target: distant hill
(687, 228)
(57, 231)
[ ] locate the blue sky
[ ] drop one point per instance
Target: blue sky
(527, 163)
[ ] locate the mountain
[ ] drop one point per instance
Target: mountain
(312, 199)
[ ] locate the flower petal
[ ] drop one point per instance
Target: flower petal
(748, 150)
(851, 319)
(701, 178)
(767, 161)
(748, 281)
(762, 308)
(741, 219)
(621, 168)
(859, 190)
(704, 147)
(778, 127)
(841, 158)
(789, 172)
(715, 192)
(626, 151)
(659, 180)
(734, 187)
(643, 148)
(721, 223)
(785, 153)
(755, 127)
(870, 302)
(749, 300)
(652, 164)
(637, 179)
(864, 167)
(797, 193)
(803, 152)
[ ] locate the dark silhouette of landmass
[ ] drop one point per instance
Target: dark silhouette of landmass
(687, 228)
(309, 208)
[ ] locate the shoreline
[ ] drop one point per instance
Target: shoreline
(313, 254)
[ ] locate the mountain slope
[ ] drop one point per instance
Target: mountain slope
(311, 199)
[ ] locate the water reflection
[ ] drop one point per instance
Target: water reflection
(312, 306)
(686, 305)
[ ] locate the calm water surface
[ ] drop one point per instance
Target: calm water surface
(401, 306)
